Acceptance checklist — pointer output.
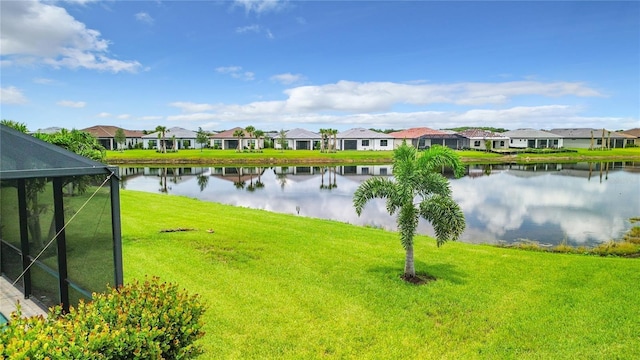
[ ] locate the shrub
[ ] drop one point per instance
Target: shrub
(150, 320)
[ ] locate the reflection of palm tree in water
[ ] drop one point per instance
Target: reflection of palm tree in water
(331, 185)
(163, 180)
(259, 183)
(251, 187)
(203, 181)
(240, 183)
(282, 176)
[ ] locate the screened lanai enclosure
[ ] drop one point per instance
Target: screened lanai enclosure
(59, 221)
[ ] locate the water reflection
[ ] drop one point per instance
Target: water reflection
(583, 203)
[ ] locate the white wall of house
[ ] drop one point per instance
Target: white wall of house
(479, 144)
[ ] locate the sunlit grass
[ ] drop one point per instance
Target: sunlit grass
(289, 287)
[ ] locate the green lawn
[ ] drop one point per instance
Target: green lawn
(231, 157)
(288, 287)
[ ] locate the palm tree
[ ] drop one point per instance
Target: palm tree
(282, 138)
(323, 135)
(258, 134)
(239, 134)
(417, 177)
(250, 130)
(162, 130)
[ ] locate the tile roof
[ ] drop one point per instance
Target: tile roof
(178, 132)
(633, 132)
(362, 133)
(226, 134)
(530, 134)
(301, 134)
(414, 133)
(583, 133)
(108, 131)
(479, 133)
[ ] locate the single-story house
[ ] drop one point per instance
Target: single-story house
(299, 139)
(364, 139)
(184, 139)
(225, 140)
(106, 136)
(478, 139)
(587, 138)
(534, 139)
(633, 132)
(419, 137)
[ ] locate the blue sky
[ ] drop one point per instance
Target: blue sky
(320, 64)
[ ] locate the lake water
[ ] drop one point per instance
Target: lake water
(579, 204)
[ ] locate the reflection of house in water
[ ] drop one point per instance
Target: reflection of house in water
(241, 176)
(377, 170)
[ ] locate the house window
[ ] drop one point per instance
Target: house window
(217, 142)
(476, 143)
(186, 143)
(383, 171)
(152, 144)
(502, 143)
(510, 141)
(365, 171)
(383, 142)
(365, 142)
(599, 142)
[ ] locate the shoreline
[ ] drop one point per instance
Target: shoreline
(509, 159)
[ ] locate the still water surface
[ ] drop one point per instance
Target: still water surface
(580, 204)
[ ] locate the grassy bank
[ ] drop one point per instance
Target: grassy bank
(282, 286)
(271, 156)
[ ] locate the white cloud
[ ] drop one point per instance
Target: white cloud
(190, 107)
(150, 117)
(251, 28)
(12, 96)
(193, 117)
(35, 32)
(43, 81)
(352, 96)
(123, 116)
(255, 28)
(261, 6)
(288, 78)
(72, 104)
(144, 18)
(104, 115)
(236, 72)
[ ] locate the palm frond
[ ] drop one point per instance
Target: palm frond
(430, 183)
(438, 157)
(375, 187)
(446, 217)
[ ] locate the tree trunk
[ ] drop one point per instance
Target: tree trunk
(409, 267)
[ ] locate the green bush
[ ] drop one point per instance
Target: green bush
(150, 320)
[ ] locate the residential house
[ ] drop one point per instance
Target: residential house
(225, 140)
(534, 139)
(175, 138)
(587, 138)
(106, 136)
(364, 139)
(49, 130)
(479, 139)
(635, 133)
(299, 139)
(419, 137)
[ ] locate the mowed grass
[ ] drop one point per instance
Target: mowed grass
(287, 287)
(293, 157)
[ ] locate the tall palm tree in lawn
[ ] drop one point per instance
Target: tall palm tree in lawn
(162, 130)
(334, 133)
(239, 134)
(417, 190)
(250, 130)
(258, 134)
(323, 135)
